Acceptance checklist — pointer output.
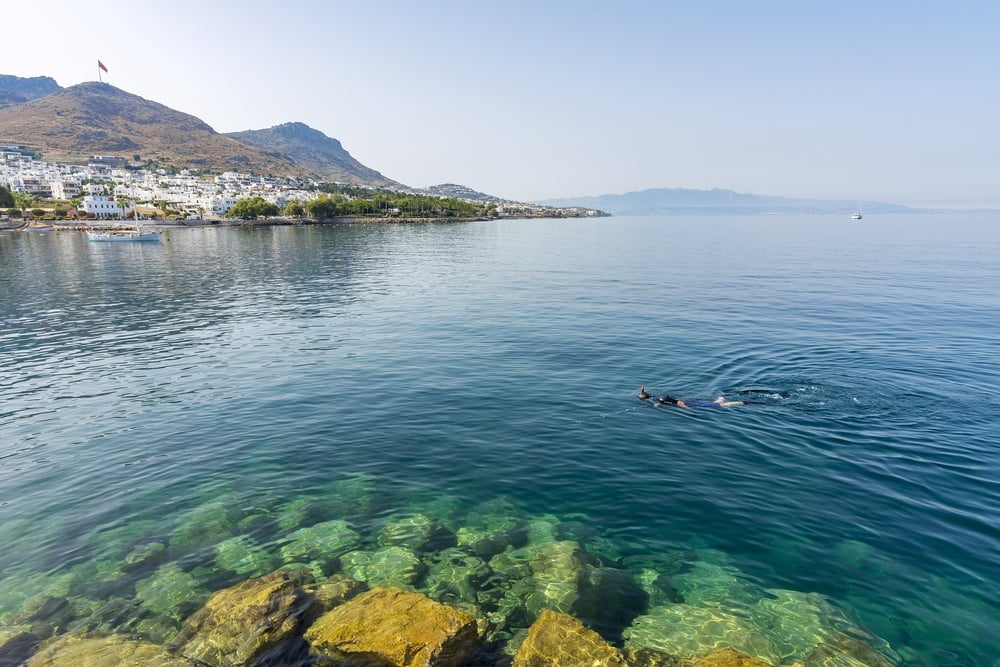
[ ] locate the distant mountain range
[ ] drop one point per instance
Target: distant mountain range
(72, 124)
(680, 201)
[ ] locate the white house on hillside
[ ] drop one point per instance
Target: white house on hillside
(102, 206)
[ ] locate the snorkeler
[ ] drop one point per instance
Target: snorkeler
(720, 402)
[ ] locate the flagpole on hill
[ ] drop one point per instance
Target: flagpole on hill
(100, 67)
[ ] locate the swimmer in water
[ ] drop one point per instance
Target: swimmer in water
(720, 402)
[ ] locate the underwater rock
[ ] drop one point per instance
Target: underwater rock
(354, 496)
(391, 627)
(333, 592)
(454, 575)
(45, 614)
(727, 657)
(17, 645)
(208, 524)
(542, 529)
(560, 576)
(657, 587)
(391, 566)
(687, 631)
(242, 556)
(241, 623)
(780, 627)
(607, 600)
(842, 650)
(323, 542)
(117, 615)
(171, 592)
(713, 583)
(559, 640)
(111, 651)
(411, 532)
(443, 509)
(556, 569)
(647, 657)
(143, 556)
(491, 527)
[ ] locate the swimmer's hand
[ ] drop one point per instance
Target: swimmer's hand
(723, 403)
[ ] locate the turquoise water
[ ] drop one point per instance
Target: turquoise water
(165, 405)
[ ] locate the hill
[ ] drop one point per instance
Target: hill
(16, 89)
(460, 192)
(667, 201)
(314, 151)
(93, 118)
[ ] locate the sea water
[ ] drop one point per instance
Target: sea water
(174, 415)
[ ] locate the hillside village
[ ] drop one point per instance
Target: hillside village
(106, 187)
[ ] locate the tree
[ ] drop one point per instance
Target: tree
(251, 209)
(6, 197)
(24, 201)
(294, 209)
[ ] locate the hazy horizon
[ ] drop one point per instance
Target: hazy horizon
(558, 100)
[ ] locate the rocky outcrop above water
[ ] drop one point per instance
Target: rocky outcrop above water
(240, 624)
(389, 626)
(558, 640)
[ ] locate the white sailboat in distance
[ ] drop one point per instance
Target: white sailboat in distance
(124, 234)
(857, 215)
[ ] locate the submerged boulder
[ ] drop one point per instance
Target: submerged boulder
(412, 532)
(17, 645)
(241, 623)
(391, 627)
(320, 542)
(389, 566)
(110, 651)
(171, 592)
(559, 640)
(727, 657)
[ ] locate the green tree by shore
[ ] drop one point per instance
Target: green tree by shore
(253, 208)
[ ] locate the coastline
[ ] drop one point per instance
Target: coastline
(79, 225)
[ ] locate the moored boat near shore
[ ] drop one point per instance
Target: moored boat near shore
(123, 235)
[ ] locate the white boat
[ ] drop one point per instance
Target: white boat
(857, 216)
(125, 235)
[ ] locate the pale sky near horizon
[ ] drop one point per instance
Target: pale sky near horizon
(898, 100)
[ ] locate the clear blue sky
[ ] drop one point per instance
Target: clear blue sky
(534, 99)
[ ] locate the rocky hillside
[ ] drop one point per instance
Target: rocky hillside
(16, 89)
(98, 119)
(314, 151)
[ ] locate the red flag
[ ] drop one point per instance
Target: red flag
(101, 65)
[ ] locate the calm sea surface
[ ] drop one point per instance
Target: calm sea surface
(441, 367)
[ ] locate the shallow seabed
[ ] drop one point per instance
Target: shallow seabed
(451, 408)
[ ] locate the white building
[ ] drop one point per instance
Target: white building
(102, 207)
(65, 189)
(217, 206)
